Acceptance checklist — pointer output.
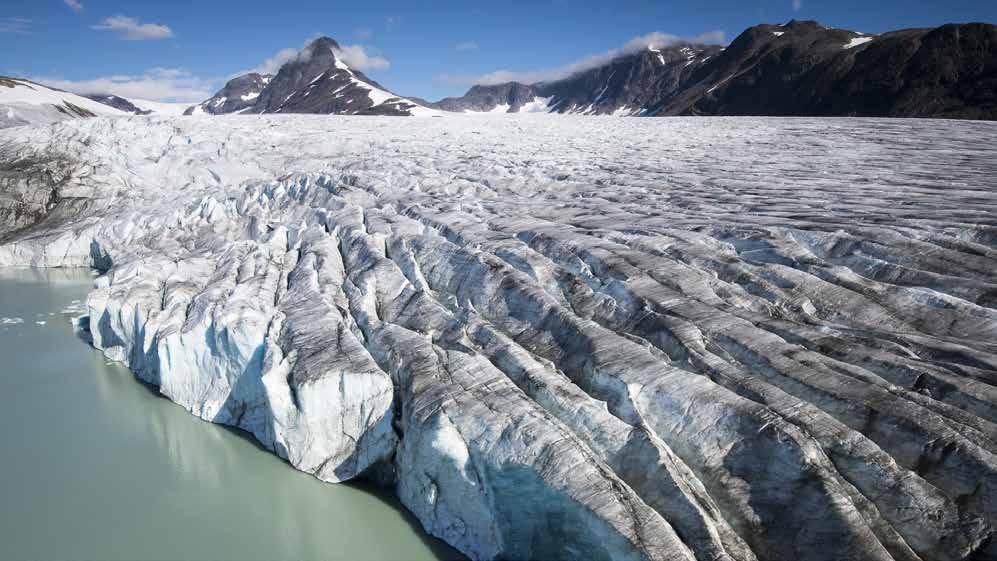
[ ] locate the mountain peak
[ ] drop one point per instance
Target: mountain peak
(321, 45)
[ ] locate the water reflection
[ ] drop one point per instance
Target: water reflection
(97, 465)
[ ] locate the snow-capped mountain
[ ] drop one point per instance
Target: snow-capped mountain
(800, 68)
(238, 95)
(23, 102)
(317, 81)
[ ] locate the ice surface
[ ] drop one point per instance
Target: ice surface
(562, 337)
(164, 108)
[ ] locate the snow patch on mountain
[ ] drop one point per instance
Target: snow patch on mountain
(857, 41)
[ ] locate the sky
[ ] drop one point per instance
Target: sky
(185, 50)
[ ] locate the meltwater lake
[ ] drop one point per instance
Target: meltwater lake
(95, 465)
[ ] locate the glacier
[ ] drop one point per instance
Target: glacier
(556, 337)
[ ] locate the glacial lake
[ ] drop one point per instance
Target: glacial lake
(96, 465)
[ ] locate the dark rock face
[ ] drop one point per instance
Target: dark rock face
(117, 103)
(487, 98)
(238, 94)
(801, 68)
(949, 71)
(632, 84)
(317, 81)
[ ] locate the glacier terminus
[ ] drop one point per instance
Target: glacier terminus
(556, 336)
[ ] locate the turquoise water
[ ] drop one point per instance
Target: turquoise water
(96, 465)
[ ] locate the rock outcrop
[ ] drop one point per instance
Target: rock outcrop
(563, 338)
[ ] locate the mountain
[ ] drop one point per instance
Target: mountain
(23, 102)
(238, 95)
(502, 98)
(139, 106)
(119, 103)
(801, 68)
(626, 85)
(316, 81)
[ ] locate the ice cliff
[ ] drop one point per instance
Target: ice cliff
(562, 338)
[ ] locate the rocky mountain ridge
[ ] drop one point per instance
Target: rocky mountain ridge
(798, 69)
(118, 103)
(238, 95)
(316, 81)
(801, 68)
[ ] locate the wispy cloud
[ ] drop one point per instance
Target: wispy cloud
(363, 33)
(19, 26)
(391, 22)
(656, 40)
(467, 46)
(356, 56)
(74, 5)
(273, 64)
(797, 4)
(131, 29)
(155, 84)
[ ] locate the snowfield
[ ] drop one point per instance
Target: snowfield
(27, 103)
(561, 337)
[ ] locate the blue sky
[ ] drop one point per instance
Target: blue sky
(184, 50)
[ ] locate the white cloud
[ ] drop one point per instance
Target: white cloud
(273, 64)
(356, 56)
(363, 33)
(131, 29)
(797, 4)
(656, 40)
(156, 84)
(19, 26)
(74, 5)
(467, 46)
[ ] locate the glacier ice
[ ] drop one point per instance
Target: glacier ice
(710, 339)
